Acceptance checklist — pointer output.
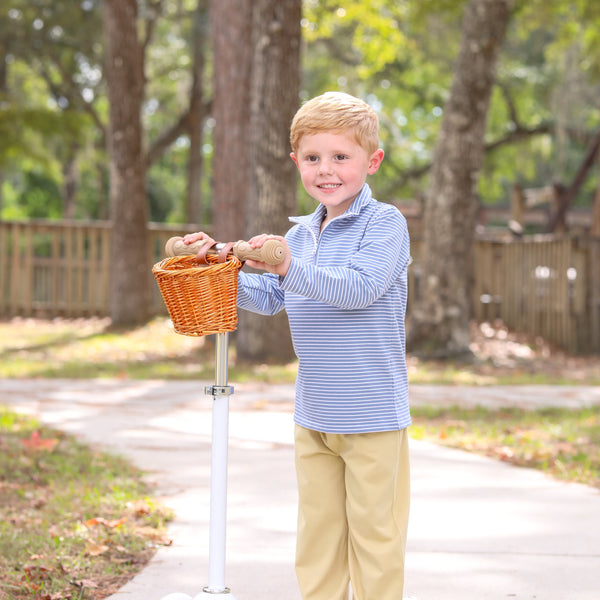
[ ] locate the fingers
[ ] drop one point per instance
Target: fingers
(190, 238)
(258, 240)
(279, 269)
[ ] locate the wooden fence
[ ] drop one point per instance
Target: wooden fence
(543, 285)
(51, 269)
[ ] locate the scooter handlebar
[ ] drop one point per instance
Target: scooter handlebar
(271, 252)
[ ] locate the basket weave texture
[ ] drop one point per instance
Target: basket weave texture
(201, 299)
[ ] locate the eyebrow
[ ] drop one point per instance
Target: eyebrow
(334, 152)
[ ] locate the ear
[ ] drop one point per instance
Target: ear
(375, 160)
(294, 158)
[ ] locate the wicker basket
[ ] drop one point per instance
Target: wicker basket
(201, 299)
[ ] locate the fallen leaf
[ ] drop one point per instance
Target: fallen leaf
(84, 583)
(36, 442)
(101, 521)
(155, 536)
(150, 533)
(37, 570)
(94, 549)
(504, 453)
(30, 585)
(140, 507)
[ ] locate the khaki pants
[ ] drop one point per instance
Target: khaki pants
(354, 494)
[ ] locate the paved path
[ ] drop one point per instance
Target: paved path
(479, 529)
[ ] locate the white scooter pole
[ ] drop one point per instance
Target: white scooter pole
(216, 589)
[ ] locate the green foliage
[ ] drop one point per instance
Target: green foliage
(398, 55)
(535, 93)
(166, 187)
(40, 197)
(54, 104)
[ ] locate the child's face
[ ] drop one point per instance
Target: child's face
(333, 168)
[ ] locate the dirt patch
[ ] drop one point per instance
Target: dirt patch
(499, 351)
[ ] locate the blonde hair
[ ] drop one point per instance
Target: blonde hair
(339, 113)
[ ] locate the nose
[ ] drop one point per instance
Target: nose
(325, 167)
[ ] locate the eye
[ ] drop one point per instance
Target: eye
(312, 158)
(340, 157)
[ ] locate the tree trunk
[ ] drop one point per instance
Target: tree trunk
(231, 23)
(69, 190)
(439, 324)
(3, 89)
(272, 182)
(595, 228)
(130, 277)
(197, 115)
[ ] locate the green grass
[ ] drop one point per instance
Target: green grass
(85, 348)
(563, 443)
(88, 348)
(75, 523)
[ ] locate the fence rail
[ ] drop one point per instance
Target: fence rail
(543, 285)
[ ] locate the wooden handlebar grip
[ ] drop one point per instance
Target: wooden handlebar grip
(271, 252)
(176, 247)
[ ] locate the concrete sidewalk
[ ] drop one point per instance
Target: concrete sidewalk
(479, 529)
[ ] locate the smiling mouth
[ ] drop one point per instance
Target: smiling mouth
(329, 186)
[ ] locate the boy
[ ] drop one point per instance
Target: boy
(343, 283)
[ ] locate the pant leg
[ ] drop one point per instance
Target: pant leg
(378, 497)
(322, 539)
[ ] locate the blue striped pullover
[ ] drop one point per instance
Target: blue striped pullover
(345, 295)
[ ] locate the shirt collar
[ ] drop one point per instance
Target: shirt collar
(315, 218)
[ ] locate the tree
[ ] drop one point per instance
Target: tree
(272, 175)
(439, 324)
(189, 25)
(231, 25)
(52, 57)
(125, 73)
(256, 50)
(130, 283)
(50, 65)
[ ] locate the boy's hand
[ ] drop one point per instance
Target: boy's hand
(190, 238)
(282, 268)
(200, 237)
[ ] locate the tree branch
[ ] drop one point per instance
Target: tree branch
(569, 194)
(170, 134)
(511, 137)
